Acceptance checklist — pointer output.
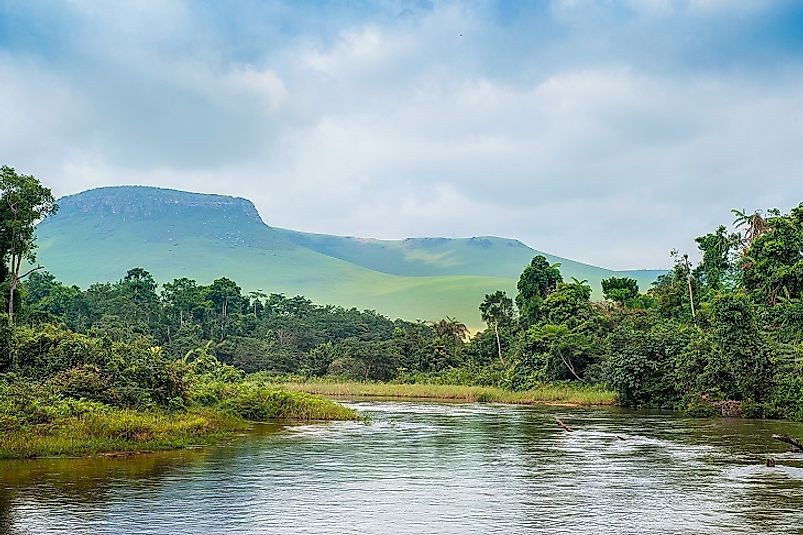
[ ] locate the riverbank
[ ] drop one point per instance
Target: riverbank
(39, 423)
(546, 394)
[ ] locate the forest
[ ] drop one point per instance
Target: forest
(724, 336)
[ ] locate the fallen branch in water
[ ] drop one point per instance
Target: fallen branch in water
(563, 426)
(795, 443)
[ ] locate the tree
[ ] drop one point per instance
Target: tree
(731, 358)
(682, 265)
(537, 281)
(569, 304)
(497, 311)
(716, 269)
(450, 328)
(755, 225)
(24, 201)
(227, 299)
(182, 296)
(140, 285)
(256, 301)
(45, 294)
(773, 265)
(553, 352)
(138, 289)
(620, 289)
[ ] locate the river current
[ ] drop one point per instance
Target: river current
(420, 467)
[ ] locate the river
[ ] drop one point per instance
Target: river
(420, 467)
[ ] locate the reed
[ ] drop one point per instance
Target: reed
(545, 394)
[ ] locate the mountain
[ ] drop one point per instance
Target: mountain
(99, 234)
(480, 255)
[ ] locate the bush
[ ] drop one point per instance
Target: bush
(698, 407)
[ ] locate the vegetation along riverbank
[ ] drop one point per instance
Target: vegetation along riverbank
(557, 394)
(135, 364)
(129, 400)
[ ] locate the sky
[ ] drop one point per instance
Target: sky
(608, 132)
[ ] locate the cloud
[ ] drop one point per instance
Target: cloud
(602, 133)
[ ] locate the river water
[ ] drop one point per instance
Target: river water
(418, 467)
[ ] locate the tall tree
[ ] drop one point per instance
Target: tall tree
(717, 266)
(537, 281)
(754, 224)
(773, 265)
(497, 311)
(451, 328)
(24, 201)
(181, 297)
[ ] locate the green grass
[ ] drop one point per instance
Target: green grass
(546, 394)
(258, 402)
(118, 431)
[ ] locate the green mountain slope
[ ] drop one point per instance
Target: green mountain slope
(480, 255)
(99, 234)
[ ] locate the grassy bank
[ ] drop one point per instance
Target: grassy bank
(118, 431)
(556, 394)
(38, 422)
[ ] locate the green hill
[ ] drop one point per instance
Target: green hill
(99, 234)
(480, 255)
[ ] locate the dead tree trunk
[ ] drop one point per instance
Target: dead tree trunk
(563, 426)
(795, 443)
(498, 343)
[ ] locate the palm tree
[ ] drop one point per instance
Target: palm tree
(582, 286)
(450, 327)
(755, 225)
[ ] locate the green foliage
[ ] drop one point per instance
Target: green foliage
(620, 290)
(497, 311)
(640, 364)
(24, 201)
(697, 406)
(537, 281)
(717, 269)
(738, 348)
(130, 344)
(773, 264)
(568, 304)
(260, 403)
(551, 353)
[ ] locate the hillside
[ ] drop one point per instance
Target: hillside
(480, 255)
(99, 234)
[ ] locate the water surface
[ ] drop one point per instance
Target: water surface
(432, 468)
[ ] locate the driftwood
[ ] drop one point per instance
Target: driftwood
(795, 443)
(563, 426)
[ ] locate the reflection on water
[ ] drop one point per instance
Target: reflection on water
(432, 468)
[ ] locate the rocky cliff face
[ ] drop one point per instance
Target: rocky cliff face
(148, 203)
(155, 215)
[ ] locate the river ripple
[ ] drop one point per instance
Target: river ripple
(432, 468)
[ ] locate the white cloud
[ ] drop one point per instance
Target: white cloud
(264, 84)
(435, 124)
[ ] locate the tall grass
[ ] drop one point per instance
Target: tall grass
(556, 394)
(117, 430)
(257, 402)
(35, 421)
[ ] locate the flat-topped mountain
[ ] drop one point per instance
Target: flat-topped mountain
(99, 234)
